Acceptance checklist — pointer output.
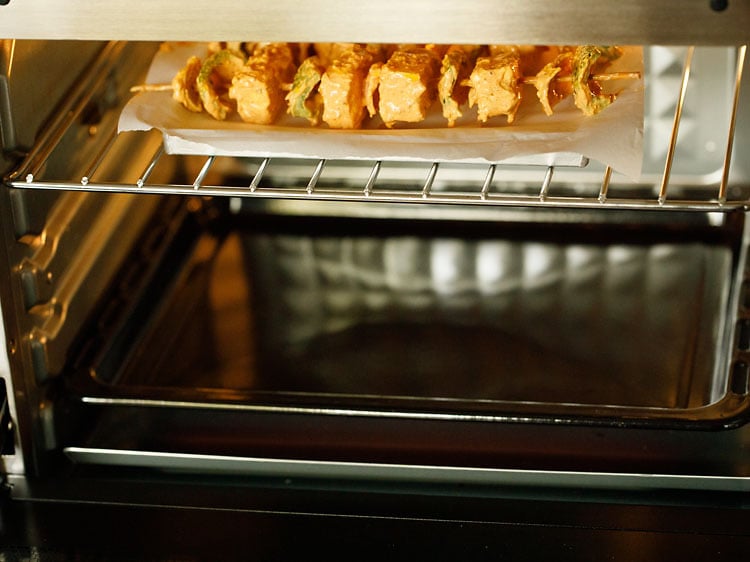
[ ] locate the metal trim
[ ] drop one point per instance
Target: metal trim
(386, 21)
(257, 466)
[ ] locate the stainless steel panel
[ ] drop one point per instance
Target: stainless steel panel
(27, 63)
(59, 250)
(388, 21)
(213, 464)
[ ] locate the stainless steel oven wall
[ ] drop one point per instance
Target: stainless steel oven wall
(23, 110)
(59, 250)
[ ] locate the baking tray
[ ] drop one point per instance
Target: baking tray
(552, 317)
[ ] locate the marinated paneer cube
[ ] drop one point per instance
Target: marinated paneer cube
(408, 85)
(342, 88)
(495, 86)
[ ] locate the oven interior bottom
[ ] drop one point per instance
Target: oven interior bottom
(419, 341)
(436, 312)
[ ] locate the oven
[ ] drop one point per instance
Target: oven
(264, 353)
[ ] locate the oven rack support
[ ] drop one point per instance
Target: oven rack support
(30, 174)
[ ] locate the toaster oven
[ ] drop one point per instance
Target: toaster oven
(484, 357)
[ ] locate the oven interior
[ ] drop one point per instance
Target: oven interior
(448, 315)
(255, 315)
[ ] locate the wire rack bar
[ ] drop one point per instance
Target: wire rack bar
(259, 175)
(106, 147)
(370, 185)
(388, 196)
(427, 188)
(487, 181)
(676, 125)
(150, 168)
(204, 171)
(604, 189)
(741, 51)
(315, 177)
(546, 182)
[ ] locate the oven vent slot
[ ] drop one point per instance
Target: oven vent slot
(487, 186)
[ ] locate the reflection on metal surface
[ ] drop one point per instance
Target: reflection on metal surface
(446, 321)
(387, 21)
(7, 50)
(421, 473)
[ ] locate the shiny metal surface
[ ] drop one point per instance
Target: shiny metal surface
(388, 21)
(179, 516)
(479, 196)
(440, 319)
(732, 124)
(238, 465)
(59, 249)
(479, 315)
(24, 109)
(79, 277)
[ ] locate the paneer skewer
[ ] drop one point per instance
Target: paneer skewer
(331, 84)
(341, 79)
(496, 82)
(497, 79)
(304, 99)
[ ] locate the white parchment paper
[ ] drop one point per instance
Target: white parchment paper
(613, 137)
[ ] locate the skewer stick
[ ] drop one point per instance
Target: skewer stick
(607, 76)
(596, 77)
(150, 88)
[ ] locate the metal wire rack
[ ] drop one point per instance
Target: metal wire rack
(31, 173)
